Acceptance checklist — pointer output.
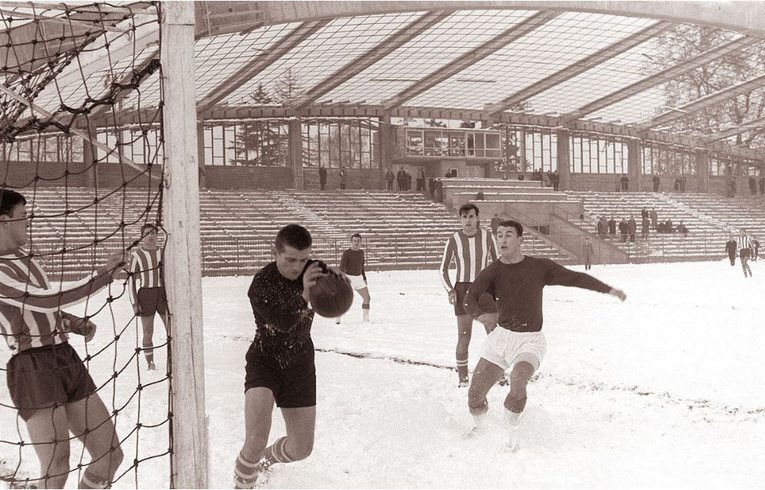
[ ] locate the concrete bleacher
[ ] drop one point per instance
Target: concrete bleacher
(705, 240)
(400, 230)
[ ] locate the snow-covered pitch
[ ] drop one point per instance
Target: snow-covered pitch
(664, 390)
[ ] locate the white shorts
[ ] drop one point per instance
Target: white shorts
(506, 348)
(357, 282)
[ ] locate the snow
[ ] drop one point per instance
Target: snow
(663, 390)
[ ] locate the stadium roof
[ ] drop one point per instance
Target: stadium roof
(591, 66)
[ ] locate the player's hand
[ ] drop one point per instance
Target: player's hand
(113, 265)
(489, 320)
(312, 274)
(84, 327)
(452, 297)
(618, 293)
(137, 309)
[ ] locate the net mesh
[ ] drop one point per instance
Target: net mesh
(70, 75)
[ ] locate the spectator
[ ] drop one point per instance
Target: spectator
(322, 176)
(625, 183)
(439, 196)
(756, 244)
(683, 181)
(431, 186)
(752, 185)
(632, 228)
(654, 218)
(656, 182)
(389, 181)
(546, 179)
(343, 178)
(479, 196)
(731, 246)
(495, 224)
(420, 179)
(677, 184)
(401, 179)
(587, 252)
(408, 181)
(612, 228)
(555, 180)
(645, 226)
(643, 213)
(601, 228)
(681, 228)
(731, 186)
(623, 229)
(762, 185)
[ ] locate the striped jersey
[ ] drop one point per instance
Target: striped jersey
(31, 311)
(745, 241)
(145, 268)
(471, 253)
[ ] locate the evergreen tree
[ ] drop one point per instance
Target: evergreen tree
(257, 142)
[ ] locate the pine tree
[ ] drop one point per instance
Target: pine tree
(257, 143)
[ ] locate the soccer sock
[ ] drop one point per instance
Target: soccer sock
(245, 473)
(91, 480)
(462, 368)
(365, 310)
(277, 452)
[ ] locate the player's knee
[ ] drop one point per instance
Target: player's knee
(478, 405)
(519, 379)
(515, 403)
(115, 458)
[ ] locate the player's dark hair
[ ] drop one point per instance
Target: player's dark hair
(467, 207)
(148, 226)
(509, 222)
(295, 236)
(9, 199)
(356, 235)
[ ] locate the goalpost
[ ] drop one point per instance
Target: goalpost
(93, 172)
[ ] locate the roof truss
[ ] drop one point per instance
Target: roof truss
(580, 67)
(454, 67)
(742, 128)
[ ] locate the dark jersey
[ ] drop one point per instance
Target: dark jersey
(282, 316)
(517, 289)
(352, 263)
(731, 246)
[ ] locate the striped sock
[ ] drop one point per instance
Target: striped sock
(246, 472)
(462, 368)
(277, 452)
(91, 480)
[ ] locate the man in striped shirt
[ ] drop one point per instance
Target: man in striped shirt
(48, 383)
(149, 298)
(472, 249)
(745, 251)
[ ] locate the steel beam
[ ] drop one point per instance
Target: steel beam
(580, 67)
(261, 62)
(662, 76)
(704, 102)
(742, 128)
(451, 68)
(371, 56)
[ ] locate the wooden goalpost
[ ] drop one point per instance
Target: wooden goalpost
(183, 273)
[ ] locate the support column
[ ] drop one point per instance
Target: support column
(387, 137)
(183, 256)
(201, 154)
(634, 163)
(564, 158)
(89, 157)
(702, 169)
(295, 151)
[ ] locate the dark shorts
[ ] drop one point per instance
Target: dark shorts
(152, 301)
(293, 386)
(485, 302)
(745, 253)
(45, 377)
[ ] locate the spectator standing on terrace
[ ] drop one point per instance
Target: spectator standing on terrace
(654, 218)
(432, 186)
(556, 180)
(408, 181)
(352, 264)
(762, 185)
(322, 176)
(624, 229)
(625, 181)
(612, 228)
(389, 177)
(601, 226)
(472, 249)
(401, 179)
(731, 246)
(632, 228)
(656, 181)
(644, 213)
(420, 179)
(645, 226)
(343, 178)
(587, 252)
(494, 224)
(681, 228)
(745, 251)
(753, 185)
(683, 182)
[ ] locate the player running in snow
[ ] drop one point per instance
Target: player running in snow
(352, 263)
(516, 281)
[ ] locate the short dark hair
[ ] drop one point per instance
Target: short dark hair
(9, 199)
(467, 207)
(509, 222)
(356, 235)
(296, 236)
(147, 226)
